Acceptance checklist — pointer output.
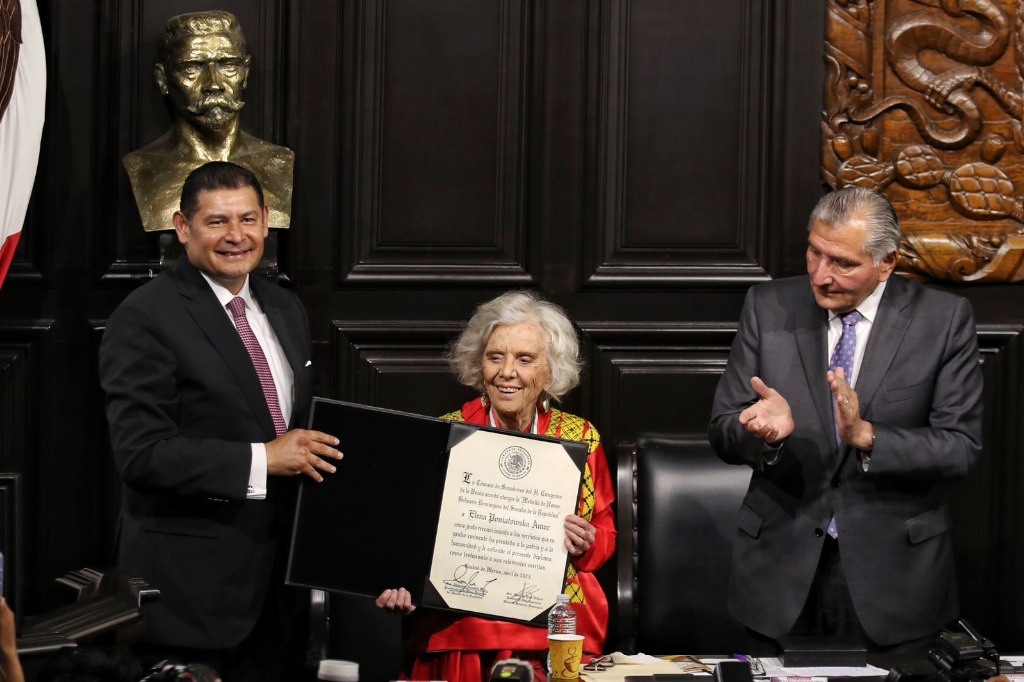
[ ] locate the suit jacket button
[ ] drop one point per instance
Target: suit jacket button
(818, 532)
(835, 483)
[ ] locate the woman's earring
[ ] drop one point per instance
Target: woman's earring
(545, 405)
(483, 400)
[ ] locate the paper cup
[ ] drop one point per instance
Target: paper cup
(566, 654)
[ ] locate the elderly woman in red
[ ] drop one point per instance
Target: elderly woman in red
(520, 352)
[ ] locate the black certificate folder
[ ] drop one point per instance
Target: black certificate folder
(372, 525)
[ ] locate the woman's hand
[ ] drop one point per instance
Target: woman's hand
(579, 535)
(396, 601)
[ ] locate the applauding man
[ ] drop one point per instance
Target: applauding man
(855, 396)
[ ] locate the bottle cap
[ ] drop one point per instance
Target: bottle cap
(338, 671)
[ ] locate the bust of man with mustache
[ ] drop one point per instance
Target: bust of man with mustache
(202, 68)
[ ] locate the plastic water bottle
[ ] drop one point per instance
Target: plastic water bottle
(561, 621)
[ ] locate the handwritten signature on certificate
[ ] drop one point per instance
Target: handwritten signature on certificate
(524, 597)
(463, 583)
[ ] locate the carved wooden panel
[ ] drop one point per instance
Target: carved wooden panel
(438, 145)
(674, 195)
(923, 101)
(144, 115)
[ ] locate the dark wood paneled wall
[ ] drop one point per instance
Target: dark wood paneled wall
(640, 161)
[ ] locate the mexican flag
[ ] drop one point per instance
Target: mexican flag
(22, 105)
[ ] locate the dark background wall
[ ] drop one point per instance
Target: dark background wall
(640, 161)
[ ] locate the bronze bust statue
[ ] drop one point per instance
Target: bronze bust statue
(203, 66)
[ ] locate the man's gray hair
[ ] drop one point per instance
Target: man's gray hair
(466, 353)
(837, 208)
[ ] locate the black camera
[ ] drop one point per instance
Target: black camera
(964, 656)
(191, 672)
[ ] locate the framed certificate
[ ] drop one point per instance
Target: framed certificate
(466, 518)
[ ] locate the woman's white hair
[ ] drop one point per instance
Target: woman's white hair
(466, 353)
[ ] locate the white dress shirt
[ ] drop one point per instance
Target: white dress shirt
(869, 309)
(284, 378)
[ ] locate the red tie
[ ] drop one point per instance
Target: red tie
(259, 362)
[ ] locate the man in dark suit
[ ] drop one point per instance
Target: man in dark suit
(845, 529)
(202, 440)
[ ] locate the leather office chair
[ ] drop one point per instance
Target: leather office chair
(677, 512)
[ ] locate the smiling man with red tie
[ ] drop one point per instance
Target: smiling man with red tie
(206, 369)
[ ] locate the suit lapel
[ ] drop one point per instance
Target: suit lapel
(276, 317)
(887, 334)
(811, 339)
(271, 301)
(205, 309)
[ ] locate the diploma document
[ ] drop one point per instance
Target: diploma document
(500, 545)
(467, 518)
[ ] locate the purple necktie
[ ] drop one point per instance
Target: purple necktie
(259, 362)
(842, 356)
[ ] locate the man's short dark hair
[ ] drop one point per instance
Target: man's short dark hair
(212, 176)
